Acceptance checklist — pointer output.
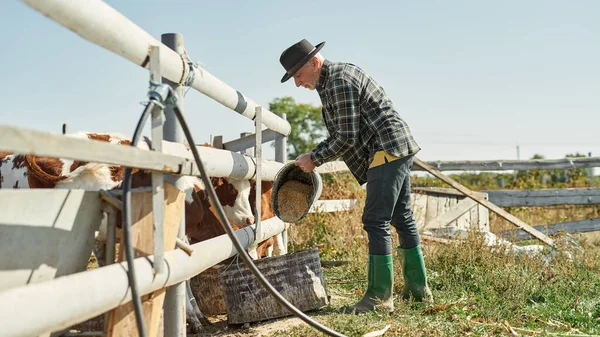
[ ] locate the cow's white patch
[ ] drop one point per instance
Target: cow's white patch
(188, 184)
(66, 167)
(280, 248)
(92, 176)
(241, 210)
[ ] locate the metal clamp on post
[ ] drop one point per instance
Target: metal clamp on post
(159, 93)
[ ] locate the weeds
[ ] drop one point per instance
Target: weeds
(477, 291)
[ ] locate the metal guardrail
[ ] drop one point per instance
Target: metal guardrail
(488, 165)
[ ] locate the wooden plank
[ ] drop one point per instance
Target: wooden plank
(451, 215)
(572, 227)
(327, 206)
(419, 208)
(511, 218)
(452, 201)
(40, 143)
(441, 209)
(122, 319)
(441, 191)
(473, 217)
(463, 220)
(431, 212)
(483, 218)
(545, 197)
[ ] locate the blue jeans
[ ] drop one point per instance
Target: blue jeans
(388, 202)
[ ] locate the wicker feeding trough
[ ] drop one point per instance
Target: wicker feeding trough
(234, 289)
(294, 192)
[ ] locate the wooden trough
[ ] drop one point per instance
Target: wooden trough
(233, 289)
(436, 207)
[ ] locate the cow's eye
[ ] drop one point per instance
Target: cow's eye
(231, 188)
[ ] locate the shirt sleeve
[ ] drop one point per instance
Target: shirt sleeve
(346, 121)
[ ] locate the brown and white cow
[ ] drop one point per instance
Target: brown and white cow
(28, 171)
(273, 244)
(25, 171)
(202, 223)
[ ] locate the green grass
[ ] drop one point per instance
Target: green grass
(477, 292)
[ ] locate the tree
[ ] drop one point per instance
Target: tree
(308, 128)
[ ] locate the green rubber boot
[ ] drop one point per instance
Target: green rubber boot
(415, 280)
(380, 287)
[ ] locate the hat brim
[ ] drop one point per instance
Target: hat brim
(302, 62)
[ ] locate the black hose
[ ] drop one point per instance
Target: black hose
(136, 299)
(230, 232)
(137, 304)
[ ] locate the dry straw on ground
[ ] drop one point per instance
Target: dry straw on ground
(293, 199)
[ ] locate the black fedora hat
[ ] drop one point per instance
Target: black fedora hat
(293, 58)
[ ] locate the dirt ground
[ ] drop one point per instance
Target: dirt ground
(220, 327)
(267, 328)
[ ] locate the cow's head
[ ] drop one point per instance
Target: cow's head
(266, 208)
(234, 197)
(201, 220)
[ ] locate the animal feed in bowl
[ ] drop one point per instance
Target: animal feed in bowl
(293, 198)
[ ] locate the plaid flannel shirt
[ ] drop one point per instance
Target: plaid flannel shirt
(360, 119)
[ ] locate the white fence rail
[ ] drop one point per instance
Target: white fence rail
(54, 305)
(99, 23)
(106, 288)
(175, 159)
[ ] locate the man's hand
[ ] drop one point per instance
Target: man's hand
(305, 162)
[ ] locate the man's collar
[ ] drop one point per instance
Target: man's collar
(323, 75)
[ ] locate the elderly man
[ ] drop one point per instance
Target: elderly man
(378, 147)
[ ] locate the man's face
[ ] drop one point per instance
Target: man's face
(307, 76)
